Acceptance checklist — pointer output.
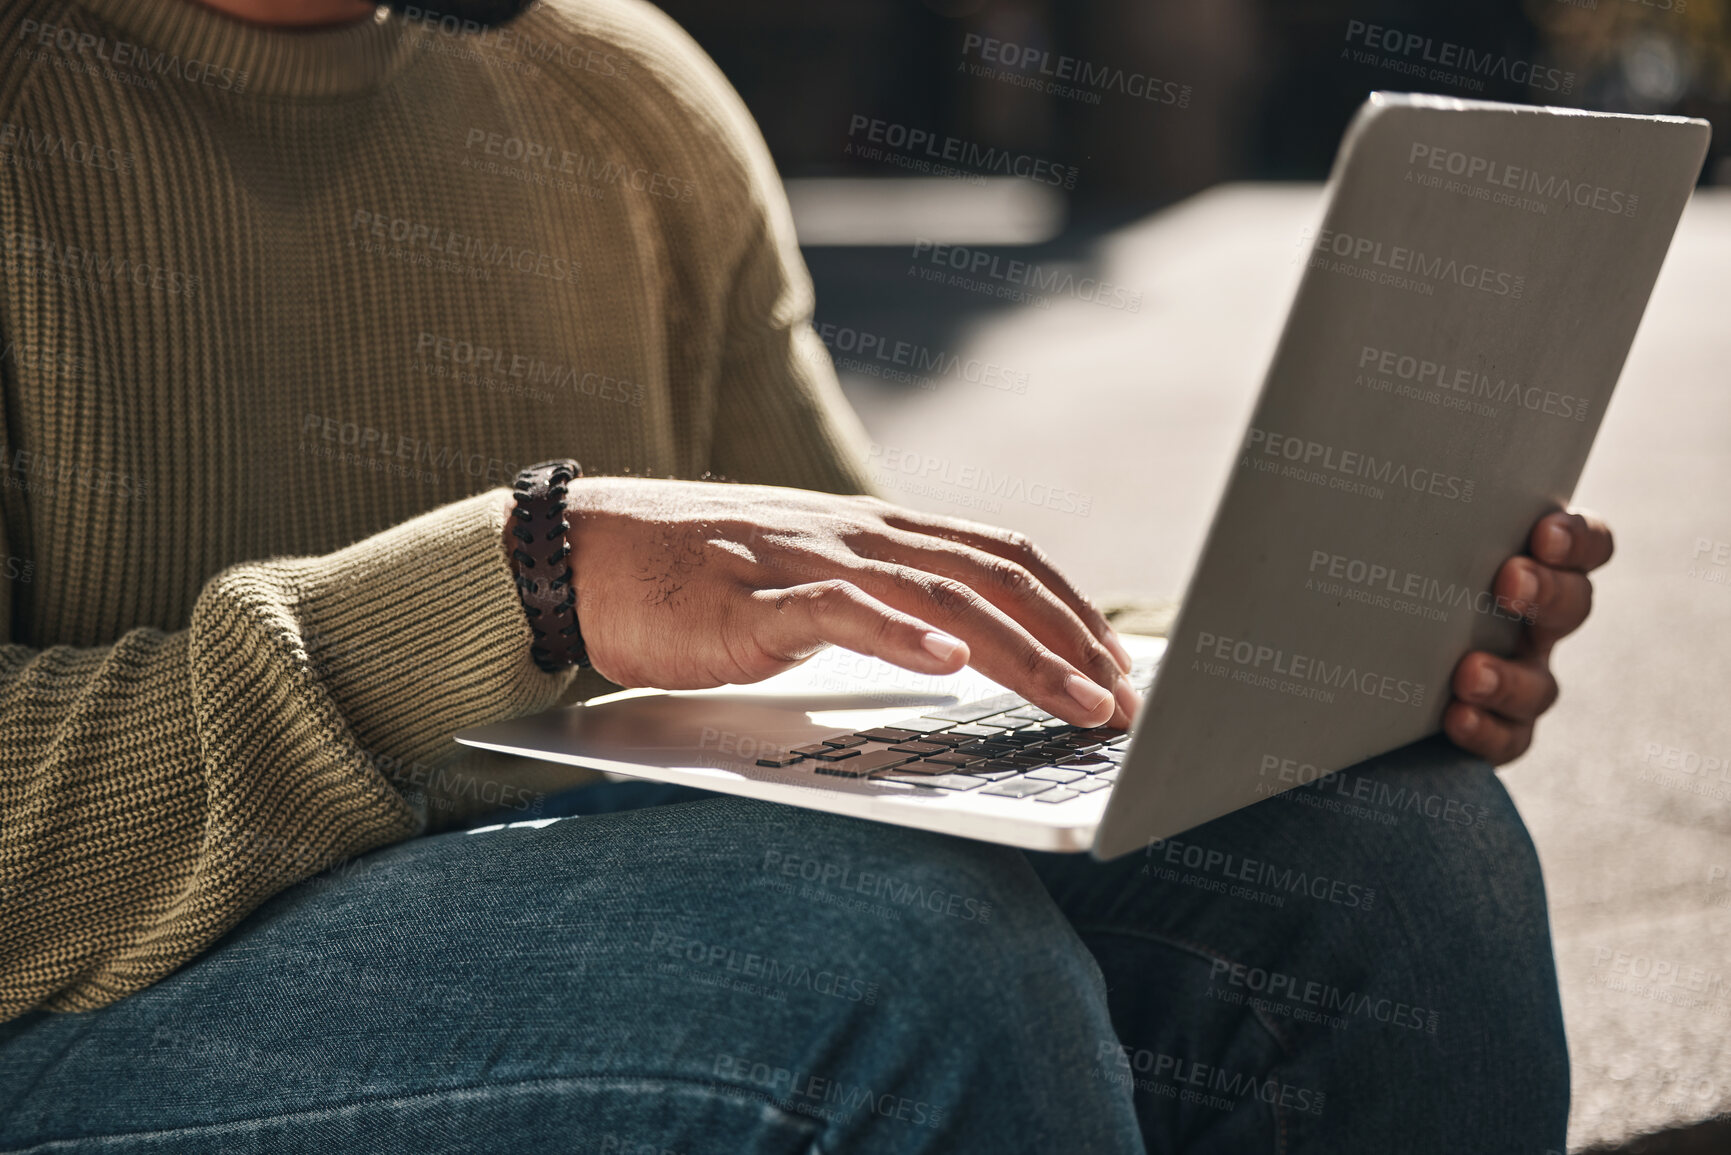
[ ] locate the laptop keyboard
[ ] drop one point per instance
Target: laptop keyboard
(999, 745)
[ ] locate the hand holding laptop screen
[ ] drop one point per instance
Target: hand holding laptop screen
(1497, 700)
(688, 585)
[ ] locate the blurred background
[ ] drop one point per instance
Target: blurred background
(1270, 91)
(1166, 158)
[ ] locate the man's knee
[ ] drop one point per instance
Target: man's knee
(1455, 846)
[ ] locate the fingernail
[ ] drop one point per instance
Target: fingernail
(1553, 543)
(1526, 586)
(1125, 695)
(1087, 694)
(1484, 683)
(1469, 721)
(940, 645)
(1119, 653)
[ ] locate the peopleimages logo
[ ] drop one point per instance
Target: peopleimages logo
(897, 467)
(1018, 279)
(1462, 387)
(874, 355)
(827, 1098)
(542, 159)
(874, 885)
(1370, 259)
(441, 241)
(481, 360)
(72, 264)
(1499, 175)
(1389, 587)
(1067, 71)
(777, 973)
(515, 40)
(138, 59)
(353, 443)
(1385, 796)
(1174, 1077)
(1324, 996)
(1414, 52)
(1254, 663)
(1347, 469)
(864, 130)
(26, 141)
(1260, 872)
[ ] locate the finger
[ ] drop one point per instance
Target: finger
(1553, 601)
(792, 624)
(1017, 548)
(1012, 588)
(1577, 540)
(1000, 649)
(1516, 691)
(1494, 739)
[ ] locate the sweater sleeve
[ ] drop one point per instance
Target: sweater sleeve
(154, 791)
(781, 418)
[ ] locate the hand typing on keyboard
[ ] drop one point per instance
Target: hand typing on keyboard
(684, 585)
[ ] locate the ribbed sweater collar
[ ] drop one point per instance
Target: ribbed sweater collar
(339, 61)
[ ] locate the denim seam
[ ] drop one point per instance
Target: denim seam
(1286, 1044)
(1287, 1047)
(727, 1090)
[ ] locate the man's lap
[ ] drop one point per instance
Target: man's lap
(730, 968)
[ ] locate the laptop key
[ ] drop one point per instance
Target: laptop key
(888, 734)
(955, 759)
(1055, 774)
(865, 764)
(982, 708)
(987, 749)
(993, 773)
(813, 750)
(781, 760)
(1059, 795)
(974, 731)
(1018, 788)
(846, 741)
(938, 781)
(920, 748)
(947, 739)
(1019, 738)
(921, 725)
(831, 754)
(1094, 768)
(1089, 785)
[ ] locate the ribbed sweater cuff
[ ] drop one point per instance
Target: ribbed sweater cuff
(418, 631)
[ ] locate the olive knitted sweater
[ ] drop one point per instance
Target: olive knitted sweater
(280, 314)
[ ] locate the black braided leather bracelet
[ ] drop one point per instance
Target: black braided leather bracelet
(541, 559)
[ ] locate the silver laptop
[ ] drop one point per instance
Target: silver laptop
(1469, 298)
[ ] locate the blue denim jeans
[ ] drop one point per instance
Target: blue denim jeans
(1361, 965)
